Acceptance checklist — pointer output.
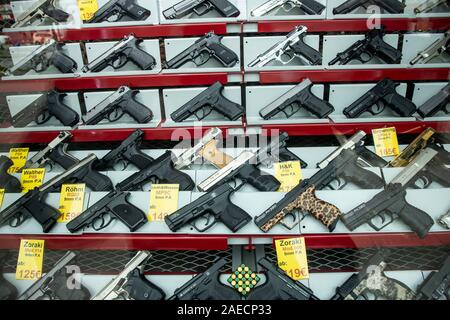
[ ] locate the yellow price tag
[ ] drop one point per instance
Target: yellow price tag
(87, 8)
(71, 201)
(19, 157)
(29, 263)
(2, 194)
(163, 201)
(289, 173)
(32, 178)
(386, 142)
(291, 255)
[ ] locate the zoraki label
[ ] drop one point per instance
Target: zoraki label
(29, 262)
(291, 255)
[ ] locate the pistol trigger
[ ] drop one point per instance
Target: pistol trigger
(43, 117)
(124, 163)
(115, 115)
(341, 185)
(377, 108)
(115, 16)
(119, 62)
(294, 108)
(104, 221)
(365, 57)
(17, 221)
(202, 59)
(295, 220)
(208, 224)
(202, 114)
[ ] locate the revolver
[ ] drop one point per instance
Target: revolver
(365, 50)
(204, 103)
(311, 7)
(291, 47)
(125, 50)
(116, 105)
(41, 11)
(296, 98)
(41, 110)
(200, 7)
(383, 95)
(116, 10)
(202, 50)
(41, 58)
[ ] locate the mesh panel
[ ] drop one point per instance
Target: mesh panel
(320, 260)
(404, 258)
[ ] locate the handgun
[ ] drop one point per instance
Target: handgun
(341, 165)
(7, 181)
(200, 7)
(7, 290)
(207, 286)
(390, 6)
(436, 286)
(296, 98)
(291, 47)
(437, 103)
(58, 284)
(311, 7)
(127, 152)
(202, 50)
(41, 110)
(127, 49)
(279, 286)
(56, 152)
(116, 105)
(390, 204)
(430, 5)
(32, 204)
(433, 51)
(215, 205)
(42, 58)
(210, 99)
(376, 100)
(131, 283)
(365, 50)
(41, 11)
(372, 281)
(120, 10)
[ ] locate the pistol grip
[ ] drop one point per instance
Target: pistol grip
(258, 179)
(64, 63)
(135, 109)
(401, 105)
(234, 217)
(173, 175)
(58, 109)
(325, 212)
(419, 221)
(142, 59)
(211, 154)
(312, 55)
(127, 213)
(226, 56)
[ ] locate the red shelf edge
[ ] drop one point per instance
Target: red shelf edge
(354, 25)
(219, 242)
(161, 133)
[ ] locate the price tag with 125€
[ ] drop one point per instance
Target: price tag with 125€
(291, 255)
(32, 178)
(289, 173)
(71, 201)
(19, 157)
(386, 142)
(163, 201)
(29, 263)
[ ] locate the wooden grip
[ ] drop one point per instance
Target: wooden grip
(211, 154)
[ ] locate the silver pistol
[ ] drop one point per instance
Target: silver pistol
(429, 5)
(40, 159)
(444, 220)
(41, 11)
(130, 284)
(433, 51)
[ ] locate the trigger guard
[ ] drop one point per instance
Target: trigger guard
(294, 109)
(103, 225)
(204, 115)
(207, 224)
(43, 117)
(20, 220)
(288, 54)
(201, 62)
(374, 109)
(204, 5)
(287, 6)
(122, 61)
(115, 14)
(296, 220)
(116, 111)
(363, 60)
(382, 216)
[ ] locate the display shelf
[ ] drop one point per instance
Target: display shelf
(113, 82)
(355, 25)
(195, 29)
(354, 75)
(111, 33)
(219, 242)
(162, 133)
